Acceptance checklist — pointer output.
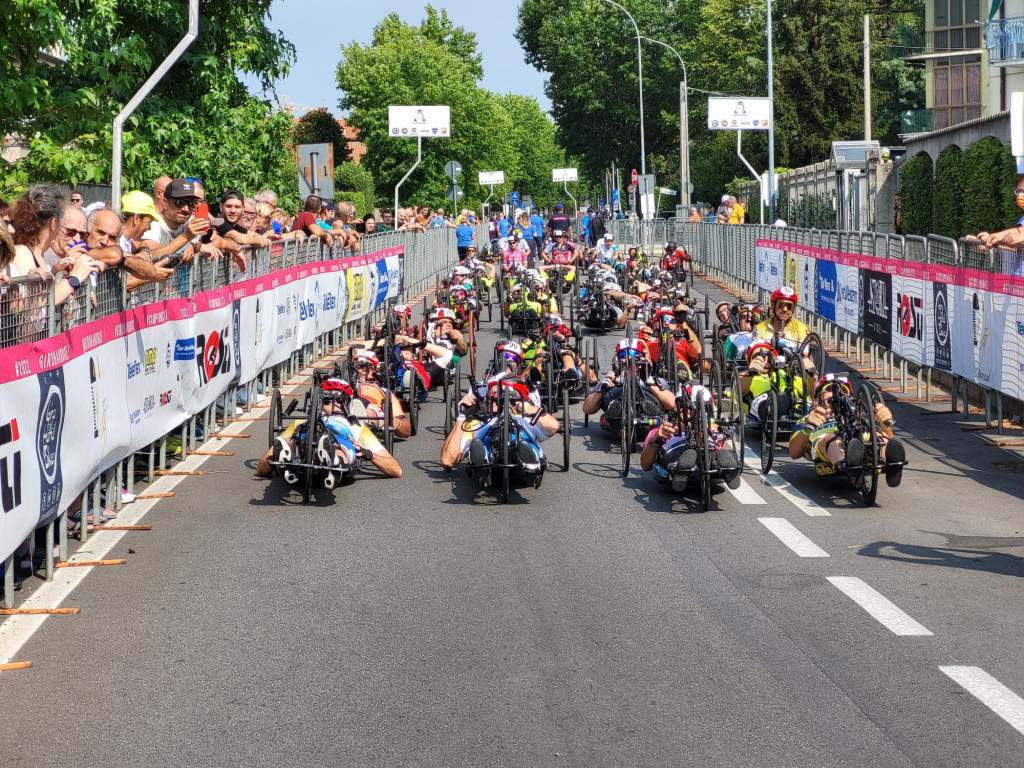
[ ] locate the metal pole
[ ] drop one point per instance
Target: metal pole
(640, 74)
(771, 120)
(419, 156)
(141, 94)
(684, 127)
(867, 77)
(739, 154)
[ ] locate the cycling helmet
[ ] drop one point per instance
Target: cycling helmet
(467, 286)
(508, 381)
(831, 381)
(510, 352)
(441, 313)
(758, 347)
(785, 293)
(366, 357)
(514, 235)
(461, 271)
(631, 348)
(401, 310)
(336, 390)
(670, 247)
(558, 233)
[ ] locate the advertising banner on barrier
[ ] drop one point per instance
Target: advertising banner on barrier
(76, 403)
(965, 321)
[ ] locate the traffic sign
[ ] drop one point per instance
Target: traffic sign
(646, 185)
(514, 197)
(527, 201)
(452, 169)
(634, 176)
(454, 192)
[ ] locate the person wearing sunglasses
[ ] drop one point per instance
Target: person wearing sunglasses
(782, 320)
(175, 236)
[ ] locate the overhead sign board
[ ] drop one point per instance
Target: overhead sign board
(646, 184)
(491, 178)
(416, 122)
(559, 175)
(316, 170)
(731, 113)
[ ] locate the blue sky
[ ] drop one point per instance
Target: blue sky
(317, 28)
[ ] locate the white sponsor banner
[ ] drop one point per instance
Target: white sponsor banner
(770, 267)
(729, 113)
(847, 297)
(491, 178)
(420, 122)
(909, 321)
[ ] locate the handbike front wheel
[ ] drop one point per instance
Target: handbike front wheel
(865, 477)
(769, 431)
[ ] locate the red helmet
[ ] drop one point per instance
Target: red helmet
(336, 389)
(631, 348)
(757, 347)
(784, 293)
(442, 313)
(402, 310)
(366, 357)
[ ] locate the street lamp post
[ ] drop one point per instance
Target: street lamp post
(640, 74)
(684, 128)
(771, 121)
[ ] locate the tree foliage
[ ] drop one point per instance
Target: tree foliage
(199, 119)
(818, 64)
(949, 193)
(916, 192)
(319, 126)
(987, 180)
(355, 183)
(436, 62)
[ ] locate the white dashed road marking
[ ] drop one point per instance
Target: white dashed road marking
(797, 498)
(883, 610)
(990, 692)
(788, 534)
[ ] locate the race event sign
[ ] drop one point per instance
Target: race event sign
(419, 122)
(730, 113)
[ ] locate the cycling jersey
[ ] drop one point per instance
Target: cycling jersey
(563, 254)
(794, 330)
(517, 256)
(606, 253)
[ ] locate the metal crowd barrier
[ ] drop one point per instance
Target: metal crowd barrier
(726, 252)
(28, 313)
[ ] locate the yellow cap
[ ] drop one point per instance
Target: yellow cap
(139, 203)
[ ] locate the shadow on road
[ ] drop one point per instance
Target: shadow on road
(967, 558)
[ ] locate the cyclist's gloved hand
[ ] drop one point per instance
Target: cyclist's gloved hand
(817, 416)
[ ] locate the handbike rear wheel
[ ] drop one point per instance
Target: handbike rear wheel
(769, 431)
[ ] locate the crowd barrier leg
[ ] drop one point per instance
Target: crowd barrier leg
(97, 504)
(9, 581)
(999, 413)
(48, 560)
(62, 535)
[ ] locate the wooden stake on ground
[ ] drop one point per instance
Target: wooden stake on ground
(222, 436)
(15, 665)
(88, 563)
(181, 472)
(212, 453)
(156, 495)
(109, 527)
(40, 611)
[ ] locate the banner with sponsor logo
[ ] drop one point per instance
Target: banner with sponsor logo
(965, 321)
(75, 404)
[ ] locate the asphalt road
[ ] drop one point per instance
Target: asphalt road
(593, 621)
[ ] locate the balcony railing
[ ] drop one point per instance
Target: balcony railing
(916, 121)
(1004, 39)
(955, 41)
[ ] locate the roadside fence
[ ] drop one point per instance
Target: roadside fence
(906, 306)
(114, 378)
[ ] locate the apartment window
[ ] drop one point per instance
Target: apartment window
(955, 25)
(956, 90)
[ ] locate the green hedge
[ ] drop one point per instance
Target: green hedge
(987, 182)
(916, 192)
(354, 183)
(949, 193)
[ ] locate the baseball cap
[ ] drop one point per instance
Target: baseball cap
(559, 206)
(140, 203)
(181, 188)
(558, 233)
(609, 236)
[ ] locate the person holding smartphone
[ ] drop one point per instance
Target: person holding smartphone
(178, 231)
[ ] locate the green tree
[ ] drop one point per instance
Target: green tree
(534, 144)
(431, 63)
(355, 183)
(987, 179)
(199, 114)
(949, 193)
(916, 191)
(319, 126)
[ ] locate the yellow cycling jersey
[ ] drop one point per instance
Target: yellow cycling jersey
(795, 331)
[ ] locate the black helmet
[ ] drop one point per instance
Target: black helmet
(670, 246)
